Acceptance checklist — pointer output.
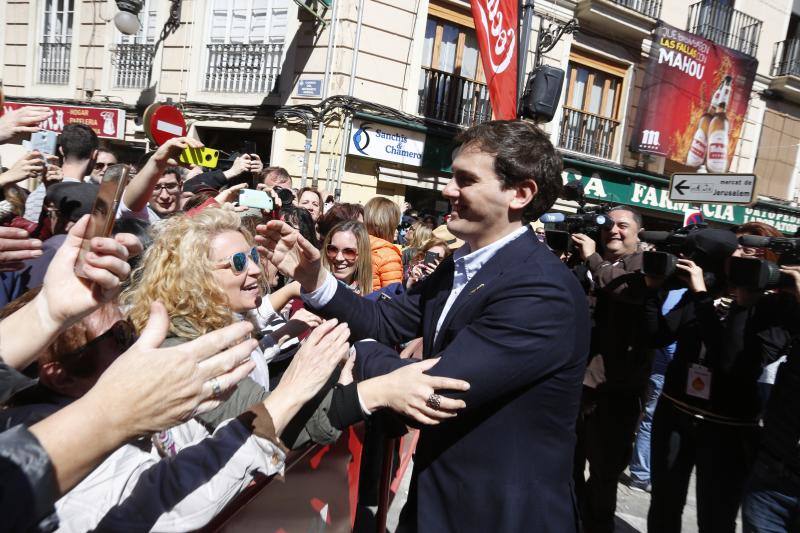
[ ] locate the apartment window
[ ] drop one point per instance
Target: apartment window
(55, 47)
(452, 84)
(592, 106)
(245, 45)
(133, 54)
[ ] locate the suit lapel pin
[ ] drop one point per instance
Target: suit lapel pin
(476, 289)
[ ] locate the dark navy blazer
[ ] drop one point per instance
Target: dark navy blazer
(519, 334)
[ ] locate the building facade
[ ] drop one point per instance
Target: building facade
(365, 96)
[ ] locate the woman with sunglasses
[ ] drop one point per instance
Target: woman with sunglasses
(347, 255)
(205, 270)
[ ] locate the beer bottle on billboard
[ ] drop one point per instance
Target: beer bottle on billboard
(696, 155)
(717, 158)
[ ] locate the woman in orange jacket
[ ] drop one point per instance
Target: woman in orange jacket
(381, 216)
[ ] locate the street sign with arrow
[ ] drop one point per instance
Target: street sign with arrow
(713, 188)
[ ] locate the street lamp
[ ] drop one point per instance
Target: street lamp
(127, 20)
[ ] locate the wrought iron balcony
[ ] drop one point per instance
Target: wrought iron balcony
(724, 25)
(132, 63)
(450, 98)
(648, 8)
(786, 58)
(54, 63)
(243, 68)
(587, 133)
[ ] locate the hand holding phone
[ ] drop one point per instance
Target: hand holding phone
(205, 157)
(44, 142)
(431, 259)
(104, 210)
(257, 199)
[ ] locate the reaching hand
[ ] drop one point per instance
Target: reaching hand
(54, 174)
(230, 194)
(29, 165)
(408, 389)
(240, 165)
(291, 253)
(23, 120)
(65, 297)
(306, 318)
(148, 389)
(256, 165)
(16, 247)
(169, 152)
(316, 359)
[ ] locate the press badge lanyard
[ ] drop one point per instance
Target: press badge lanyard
(698, 382)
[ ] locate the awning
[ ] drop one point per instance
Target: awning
(645, 191)
(410, 178)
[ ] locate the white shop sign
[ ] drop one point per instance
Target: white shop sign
(386, 143)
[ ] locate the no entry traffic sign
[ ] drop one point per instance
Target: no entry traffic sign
(163, 122)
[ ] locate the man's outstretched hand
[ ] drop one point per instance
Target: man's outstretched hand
(291, 254)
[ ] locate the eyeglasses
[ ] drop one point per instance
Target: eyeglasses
(121, 332)
(101, 166)
(349, 254)
(169, 187)
(238, 261)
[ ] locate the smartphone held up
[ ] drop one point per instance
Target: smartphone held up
(104, 211)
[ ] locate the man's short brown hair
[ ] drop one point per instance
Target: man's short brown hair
(522, 151)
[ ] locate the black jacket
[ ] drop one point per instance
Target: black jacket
(734, 348)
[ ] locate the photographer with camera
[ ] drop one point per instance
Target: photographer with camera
(707, 416)
(619, 368)
(772, 496)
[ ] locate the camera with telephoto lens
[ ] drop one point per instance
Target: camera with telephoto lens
(761, 274)
(708, 248)
(588, 221)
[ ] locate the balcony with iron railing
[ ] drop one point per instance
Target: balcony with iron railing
(630, 20)
(54, 63)
(243, 67)
(786, 69)
(648, 8)
(132, 63)
(721, 23)
(450, 98)
(587, 133)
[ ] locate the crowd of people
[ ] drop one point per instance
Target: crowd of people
(204, 338)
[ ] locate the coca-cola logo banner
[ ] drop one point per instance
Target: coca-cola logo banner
(694, 100)
(496, 24)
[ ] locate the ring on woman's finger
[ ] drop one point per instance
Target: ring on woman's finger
(434, 401)
(216, 389)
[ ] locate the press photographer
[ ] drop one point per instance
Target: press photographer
(618, 371)
(773, 490)
(708, 413)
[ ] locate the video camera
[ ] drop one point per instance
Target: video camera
(761, 274)
(588, 221)
(708, 248)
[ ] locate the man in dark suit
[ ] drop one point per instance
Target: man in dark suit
(503, 314)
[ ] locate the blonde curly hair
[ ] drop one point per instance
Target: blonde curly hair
(177, 270)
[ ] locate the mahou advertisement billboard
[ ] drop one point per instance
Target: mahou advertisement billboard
(694, 100)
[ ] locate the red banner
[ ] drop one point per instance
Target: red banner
(106, 122)
(694, 100)
(496, 25)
